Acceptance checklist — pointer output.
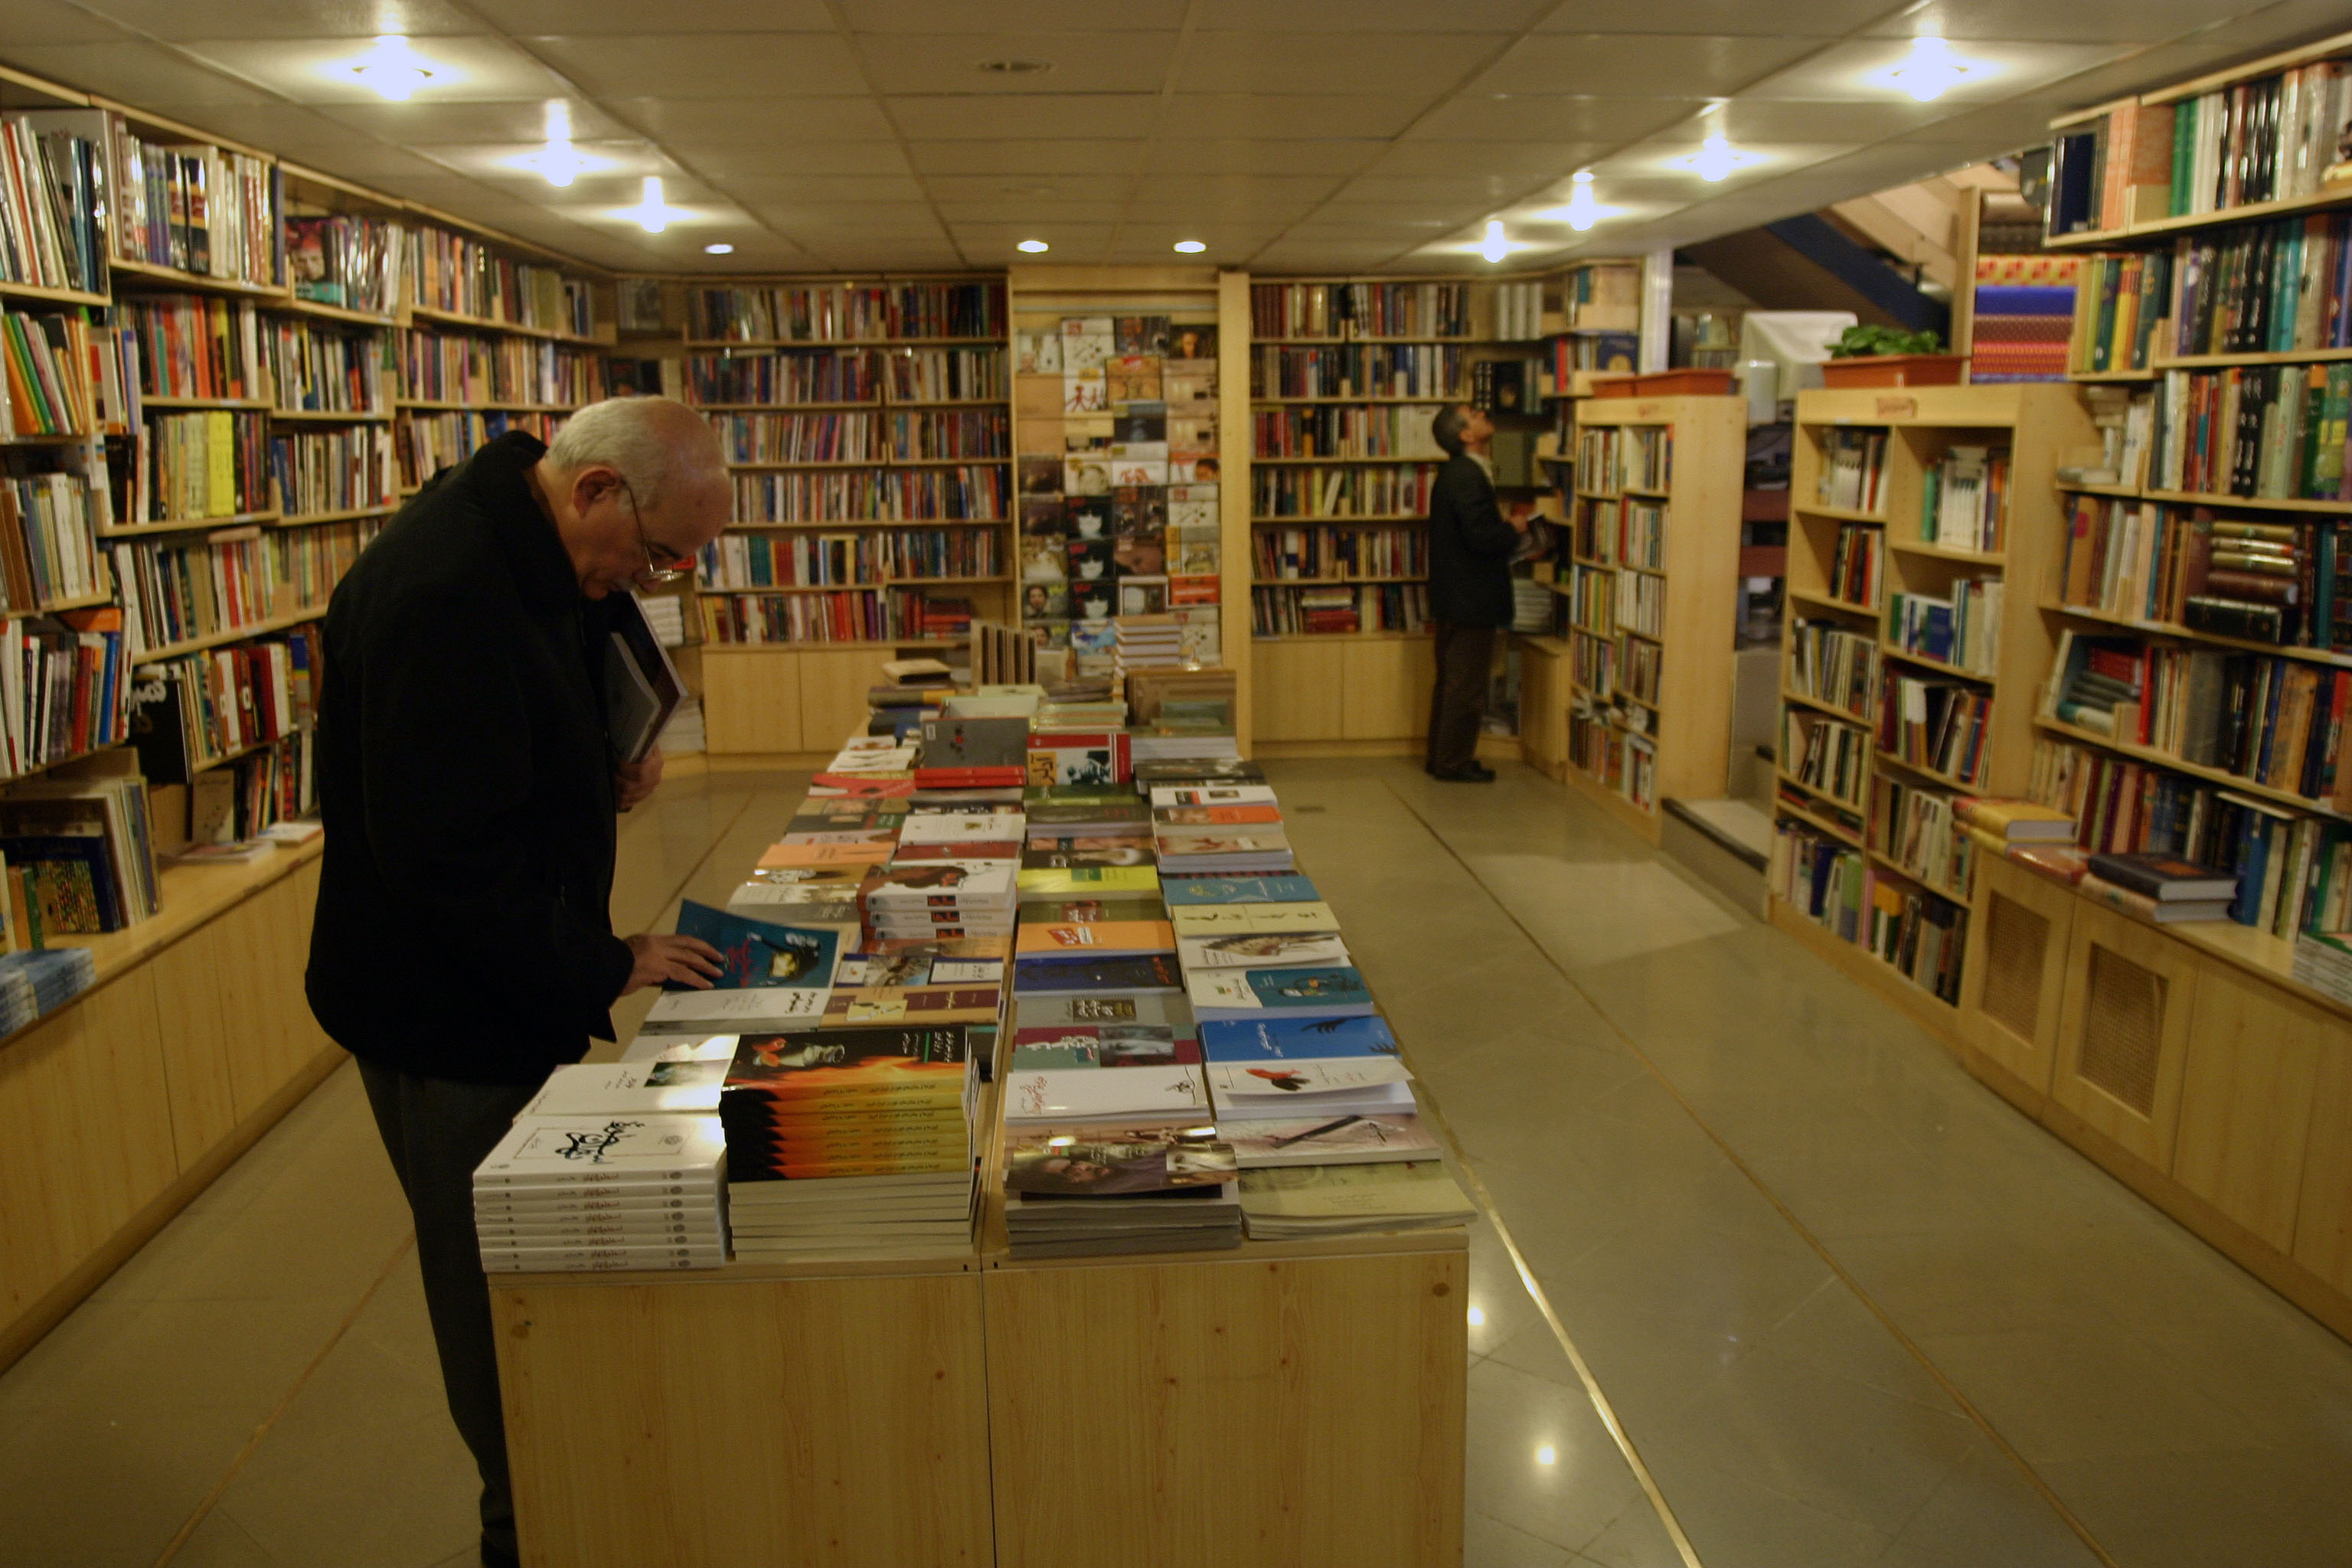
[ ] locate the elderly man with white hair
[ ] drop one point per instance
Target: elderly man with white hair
(463, 944)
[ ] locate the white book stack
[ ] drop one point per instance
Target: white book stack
(665, 612)
(683, 735)
(614, 1191)
(1148, 642)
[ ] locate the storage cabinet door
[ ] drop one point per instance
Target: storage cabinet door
(1296, 689)
(832, 695)
(1385, 691)
(2245, 1099)
(2014, 990)
(1543, 709)
(2130, 991)
(198, 1074)
(751, 702)
(2323, 1218)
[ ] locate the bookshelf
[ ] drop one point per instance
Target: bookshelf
(866, 423)
(1651, 596)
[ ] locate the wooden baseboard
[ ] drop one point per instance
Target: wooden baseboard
(31, 1325)
(1645, 822)
(765, 761)
(1491, 748)
(685, 765)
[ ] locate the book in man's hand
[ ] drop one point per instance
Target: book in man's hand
(773, 977)
(641, 685)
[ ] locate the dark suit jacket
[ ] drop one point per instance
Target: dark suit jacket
(467, 784)
(1470, 545)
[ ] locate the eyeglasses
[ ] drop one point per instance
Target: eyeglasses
(657, 573)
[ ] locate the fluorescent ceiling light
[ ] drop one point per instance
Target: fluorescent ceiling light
(652, 214)
(1494, 246)
(1931, 70)
(1031, 246)
(721, 248)
(1190, 247)
(391, 69)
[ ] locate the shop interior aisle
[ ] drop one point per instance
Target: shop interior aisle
(1847, 1307)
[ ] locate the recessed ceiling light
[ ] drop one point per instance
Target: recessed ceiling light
(1190, 247)
(1583, 207)
(559, 162)
(1931, 70)
(1494, 246)
(720, 249)
(1015, 68)
(1716, 160)
(652, 214)
(1033, 245)
(1545, 1455)
(391, 69)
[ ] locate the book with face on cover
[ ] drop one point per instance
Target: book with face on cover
(772, 977)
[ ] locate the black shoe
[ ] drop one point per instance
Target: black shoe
(499, 1557)
(1473, 773)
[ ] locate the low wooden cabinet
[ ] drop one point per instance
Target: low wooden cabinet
(2124, 1037)
(785, 702)
(2246, 1100)
(2012, 992)
(1342, 689)
(1544, 689)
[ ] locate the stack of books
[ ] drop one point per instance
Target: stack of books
(1215, 829)
(32, 984)
(772, 977)
(563, 1193)
(1148, 642)
(796, 887)
(850, 1142)
(952, 873)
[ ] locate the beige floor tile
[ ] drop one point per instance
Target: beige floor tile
(1732, 1523)
(2278, 1508)
(2085, 1392)
(108, 1486)
(1490, 1543)
(221, 1542)
(1987, 1512)
(1635, 1539)
(1516, 1418)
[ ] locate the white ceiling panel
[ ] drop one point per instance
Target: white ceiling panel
(1532, 158)
(1691, 65)
(316, 70)
(755, 121)
(1325, 255)
(1011, 15)
(1017, 213)
(1999, 128)
(1728, 19)
(1407, 63)
(1367, 15)
(36, 22)
(706, 65)
(178, 20)
(721, 161)
(1011, 117)
(1076, 62)
(1015, 188)
(1177, 189)
(1856, 70)
(617, 162)
(1402, 231)
(1279, 157)
(569, 18)
(870, 217)
(436, 124)
(1439, 190)
(1433, 214)
(1745, 120)
(1033, 157)
(779, 190)
(151, 76)
(1535, 116)
(1239, 117)
(2087, 21)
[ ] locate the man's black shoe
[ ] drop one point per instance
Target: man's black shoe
(1475, 773)
(495, 1556)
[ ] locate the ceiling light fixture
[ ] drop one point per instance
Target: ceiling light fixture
(1015, 68)
(559, 162)
(391, 69)
(1545, 1455)
(652, 214)
(1033, 245)
(1190, 247)
(721, 248)
(1716, 160)
(1583, 207)
(1494, 246)
(1931, 70)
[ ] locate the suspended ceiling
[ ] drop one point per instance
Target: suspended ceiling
(1308, 135)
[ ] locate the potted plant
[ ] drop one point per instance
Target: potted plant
(1889, 356)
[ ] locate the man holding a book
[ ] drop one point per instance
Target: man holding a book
(471, 762)
(1471, 541)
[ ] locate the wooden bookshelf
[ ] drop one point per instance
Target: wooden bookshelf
(1644, 736)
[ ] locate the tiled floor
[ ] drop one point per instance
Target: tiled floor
(1848, 1308)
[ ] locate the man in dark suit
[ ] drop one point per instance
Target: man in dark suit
(463, 944)
(1470, 543)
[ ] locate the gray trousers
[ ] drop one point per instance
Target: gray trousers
(437, 1131)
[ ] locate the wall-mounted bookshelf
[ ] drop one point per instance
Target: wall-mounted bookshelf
(1650, 594)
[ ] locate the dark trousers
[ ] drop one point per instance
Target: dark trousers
(1457, 700)
(437, 1131)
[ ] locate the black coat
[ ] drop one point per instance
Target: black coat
(1470, 545)
(467, 784)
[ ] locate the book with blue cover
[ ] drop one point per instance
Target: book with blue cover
(1138, 976)
(1243, 993)
(1296, 1039)
(1285, 890)
(773, 977)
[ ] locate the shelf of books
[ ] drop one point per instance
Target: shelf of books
(1651, 587)
(866, 421)
(1923, 523)
(1126, 490)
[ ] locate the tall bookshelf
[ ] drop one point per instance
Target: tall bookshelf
(1882, 727)
(1652, 593)
(867, 427)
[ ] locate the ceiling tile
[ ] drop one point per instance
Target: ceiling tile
(1281, 117)
(1016, 188)
(1032, 212)
(946, 117)
(618, 162)
(976, 236)
(1533, 159)
(754, 122)
(722, 161)
(1505, 116)
(1854, 71)
(1344, 62)
(1696, 65)
(178, 20)
(1442, 190)
(1011, 15)
(781, 190)
(706, 65)
(568, 19)
(1349, 16)
(1412, 232)
(1079, 62)
(944, 258)
(1275, 157)
(1815, 120)
(1429, 214)
(1027, 157)
(32, 22)
(877, 217)
(1242, 188)
(1729, 19)
(1307, 257)
(2140, 21)
(1996, 128)
(313, 70)
(436, 124)
(144, 75)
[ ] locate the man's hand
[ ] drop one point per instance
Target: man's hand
(687, 959)
(1520, 513)
(632, 781)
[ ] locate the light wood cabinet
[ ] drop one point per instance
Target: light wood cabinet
(2012, 993)
(751, 700)
(2124, 1038)
(1297, 688)
(1385, 688)
(2245, 1099)
(1544, 686)
(833, 695)
(199, 1055)
(2323, 1218)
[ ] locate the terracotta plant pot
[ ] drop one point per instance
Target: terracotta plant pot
(1894, 369)
(1684, 384)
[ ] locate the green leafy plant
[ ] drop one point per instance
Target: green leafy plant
(1859, 342)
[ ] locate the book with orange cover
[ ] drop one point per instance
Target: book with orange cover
(1102, 939)
(784, 857)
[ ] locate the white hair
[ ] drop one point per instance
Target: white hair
(653, 442)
